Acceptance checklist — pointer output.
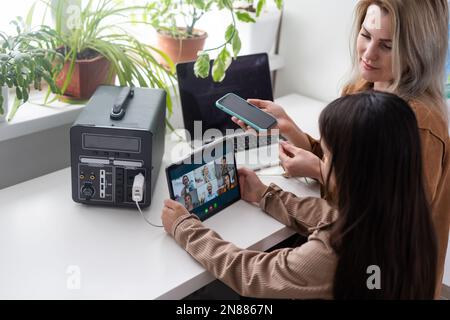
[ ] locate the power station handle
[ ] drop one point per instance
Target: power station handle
(120, 105)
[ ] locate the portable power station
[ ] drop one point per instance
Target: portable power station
(119, 134)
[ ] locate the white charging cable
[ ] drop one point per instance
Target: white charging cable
(138, 195)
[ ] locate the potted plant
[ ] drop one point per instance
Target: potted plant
(165, 15)
(24, 62)
(180, 43)
(91, 35)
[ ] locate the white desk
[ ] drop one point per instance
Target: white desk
(119, 256)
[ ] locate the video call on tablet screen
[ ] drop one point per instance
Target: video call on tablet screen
(206, 186)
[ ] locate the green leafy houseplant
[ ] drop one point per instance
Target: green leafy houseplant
(97, 28)
(164, 13)
(27, 59)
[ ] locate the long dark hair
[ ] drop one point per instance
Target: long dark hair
(384, 216)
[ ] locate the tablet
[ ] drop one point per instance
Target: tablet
(206, 181)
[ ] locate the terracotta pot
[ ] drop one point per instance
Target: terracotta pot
(87, 76)
(181, 50)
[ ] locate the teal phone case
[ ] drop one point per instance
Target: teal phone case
(231, 113)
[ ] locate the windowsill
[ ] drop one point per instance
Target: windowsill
(33, 117)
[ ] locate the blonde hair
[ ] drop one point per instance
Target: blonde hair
(419, 49)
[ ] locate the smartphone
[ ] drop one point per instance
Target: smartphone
(248, 113)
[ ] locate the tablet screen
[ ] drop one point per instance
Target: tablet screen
(207, 183)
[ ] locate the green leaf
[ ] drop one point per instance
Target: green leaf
(279, 4)
(4, 57)
(221, 4)
(200, 4)
(25, 95)
(29, 19)
(221, 65)
(244, 17)
(236, 44)
(209, 5)
(2, 111)
(19, 93)
(15, 107)
(229, 33)
(260, 6)
(232, 36)
(201, 66)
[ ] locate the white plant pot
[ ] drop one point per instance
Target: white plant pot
(5, 95)
(260, 36)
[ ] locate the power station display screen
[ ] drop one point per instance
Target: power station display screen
(111, 143)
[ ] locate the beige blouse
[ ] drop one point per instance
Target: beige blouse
(305, 272)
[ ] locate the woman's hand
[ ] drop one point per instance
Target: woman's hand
(283, 121)
(285, 125)
(171, 211)
(252, 189)
(298, 162)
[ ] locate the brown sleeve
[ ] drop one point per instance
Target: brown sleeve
(305, 272)
(433, 150)
(315, 146)
(432, 154)
(304, 215)
(316, 149)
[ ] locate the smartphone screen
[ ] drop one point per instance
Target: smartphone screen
(251, 115)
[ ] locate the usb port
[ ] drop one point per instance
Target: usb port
(102, 184)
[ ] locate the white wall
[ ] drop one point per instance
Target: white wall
(11, 11)
(315, 43)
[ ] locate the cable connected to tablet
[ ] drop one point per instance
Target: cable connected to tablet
(138, 192)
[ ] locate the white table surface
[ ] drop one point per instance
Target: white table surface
(43, 233)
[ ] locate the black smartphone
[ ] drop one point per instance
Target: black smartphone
(248, 113)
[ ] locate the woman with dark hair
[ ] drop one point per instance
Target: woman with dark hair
(379, 217)
(372, 148)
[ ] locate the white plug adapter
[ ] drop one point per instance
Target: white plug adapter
(138, 187)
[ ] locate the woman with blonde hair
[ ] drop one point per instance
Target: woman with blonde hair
(400, 47)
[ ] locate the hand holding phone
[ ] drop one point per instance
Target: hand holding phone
(246, 112)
